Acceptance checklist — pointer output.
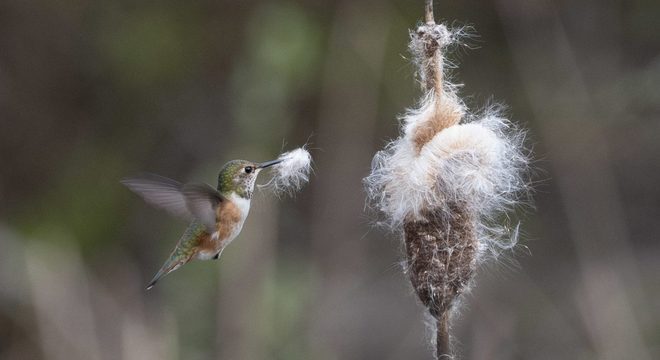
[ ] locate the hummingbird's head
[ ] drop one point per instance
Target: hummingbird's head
(239, 176)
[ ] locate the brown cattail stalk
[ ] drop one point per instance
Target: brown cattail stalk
(444, 181)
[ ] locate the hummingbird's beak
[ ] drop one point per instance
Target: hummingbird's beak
(268, 163)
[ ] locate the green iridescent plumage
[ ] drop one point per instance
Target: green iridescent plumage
(233, 178)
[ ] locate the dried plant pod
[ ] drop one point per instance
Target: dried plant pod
(441, 252)
(445, 182)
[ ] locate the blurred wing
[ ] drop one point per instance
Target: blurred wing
(161, 192)
(202, 201)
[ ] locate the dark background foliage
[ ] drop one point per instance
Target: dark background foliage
(93, 90)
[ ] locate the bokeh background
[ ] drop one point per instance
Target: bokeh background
(94, 90)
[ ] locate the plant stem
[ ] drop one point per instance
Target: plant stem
(429, 12)
(443, 350)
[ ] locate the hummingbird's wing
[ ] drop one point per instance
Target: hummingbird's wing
(190, 201)
(161, 192)
(202, 200)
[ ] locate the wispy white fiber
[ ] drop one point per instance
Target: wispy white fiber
(478, 163)
(292, 173)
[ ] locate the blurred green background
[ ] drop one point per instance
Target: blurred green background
(91, 91)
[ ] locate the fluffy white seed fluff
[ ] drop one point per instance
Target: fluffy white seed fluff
(292, 173)
(478, 163)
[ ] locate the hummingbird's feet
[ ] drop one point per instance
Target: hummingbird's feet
(217, 256)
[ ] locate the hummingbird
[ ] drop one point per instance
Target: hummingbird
(216, 215)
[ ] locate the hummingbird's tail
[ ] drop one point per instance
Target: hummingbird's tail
(173, 263)
(157, 277)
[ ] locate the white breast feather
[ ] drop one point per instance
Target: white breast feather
(243, 205)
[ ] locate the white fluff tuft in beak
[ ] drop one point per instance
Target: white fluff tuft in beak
(292, 173)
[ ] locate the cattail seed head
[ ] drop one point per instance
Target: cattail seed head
(441, 257)
(445, 182)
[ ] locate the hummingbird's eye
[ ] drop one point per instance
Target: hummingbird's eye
(248, 169)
